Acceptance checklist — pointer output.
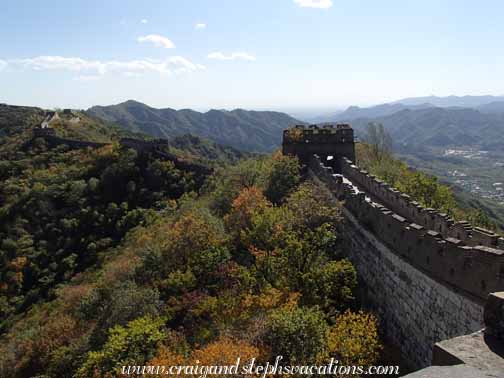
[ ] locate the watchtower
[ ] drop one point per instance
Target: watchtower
(328, 140)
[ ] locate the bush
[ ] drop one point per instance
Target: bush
(283, 179)
(131, 345)
(330, 286)
(298, 334)
(354, 339)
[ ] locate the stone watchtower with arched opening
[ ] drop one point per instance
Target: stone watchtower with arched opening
(328, 140)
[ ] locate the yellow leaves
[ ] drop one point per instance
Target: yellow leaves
(354, 339)
(277, 155)
(18, 277)
(18, 263)
(294, 135)
(270, 299)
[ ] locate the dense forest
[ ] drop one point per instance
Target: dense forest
(114, 257)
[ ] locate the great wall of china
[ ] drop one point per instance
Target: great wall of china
(156, 147)
(434, 283)
(437, 285)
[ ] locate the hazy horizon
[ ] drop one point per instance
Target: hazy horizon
(287, 55)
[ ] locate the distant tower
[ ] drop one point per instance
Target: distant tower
(329, 140)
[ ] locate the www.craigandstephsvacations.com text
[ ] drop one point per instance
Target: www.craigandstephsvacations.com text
(251, 368)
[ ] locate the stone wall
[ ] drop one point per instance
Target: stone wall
(328, 140)
(425, 288)
(53, 141)
(415, 310)
(475, 270)
(429, 218)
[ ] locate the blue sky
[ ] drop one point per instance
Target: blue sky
(254, 54)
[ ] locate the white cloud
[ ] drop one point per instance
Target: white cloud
(322, 4)
(93, 69)
(144, 21)
(157, 40)
(3, 64)
(87, 78)
(132, 74)
(181, 65)
(234, 56)
(40, 63)
(200, 26)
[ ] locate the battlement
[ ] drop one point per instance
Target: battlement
(324, 140)
(429, 218)
(420, 236)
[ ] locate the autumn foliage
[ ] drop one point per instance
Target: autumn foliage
(251, 266)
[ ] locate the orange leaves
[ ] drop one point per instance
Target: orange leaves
(18, 263)
(223, 352)
(165, 357)
(249, 201)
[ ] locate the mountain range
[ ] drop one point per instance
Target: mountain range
(450, 101)
(484, 104)
(440, 127)
(17, 124)
(415, 124)
(253, 131)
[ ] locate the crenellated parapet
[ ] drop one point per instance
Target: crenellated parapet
(327, 140)
(430, 219)
(430, 280)
(410, 231)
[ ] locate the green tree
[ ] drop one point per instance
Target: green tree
(298, 334)
(283, 179)
(330, 286)
(131, 345)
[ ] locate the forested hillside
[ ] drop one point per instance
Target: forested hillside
(114, 257)
(424, 188)
(61, 207)
(440, 127)
(253, 131)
